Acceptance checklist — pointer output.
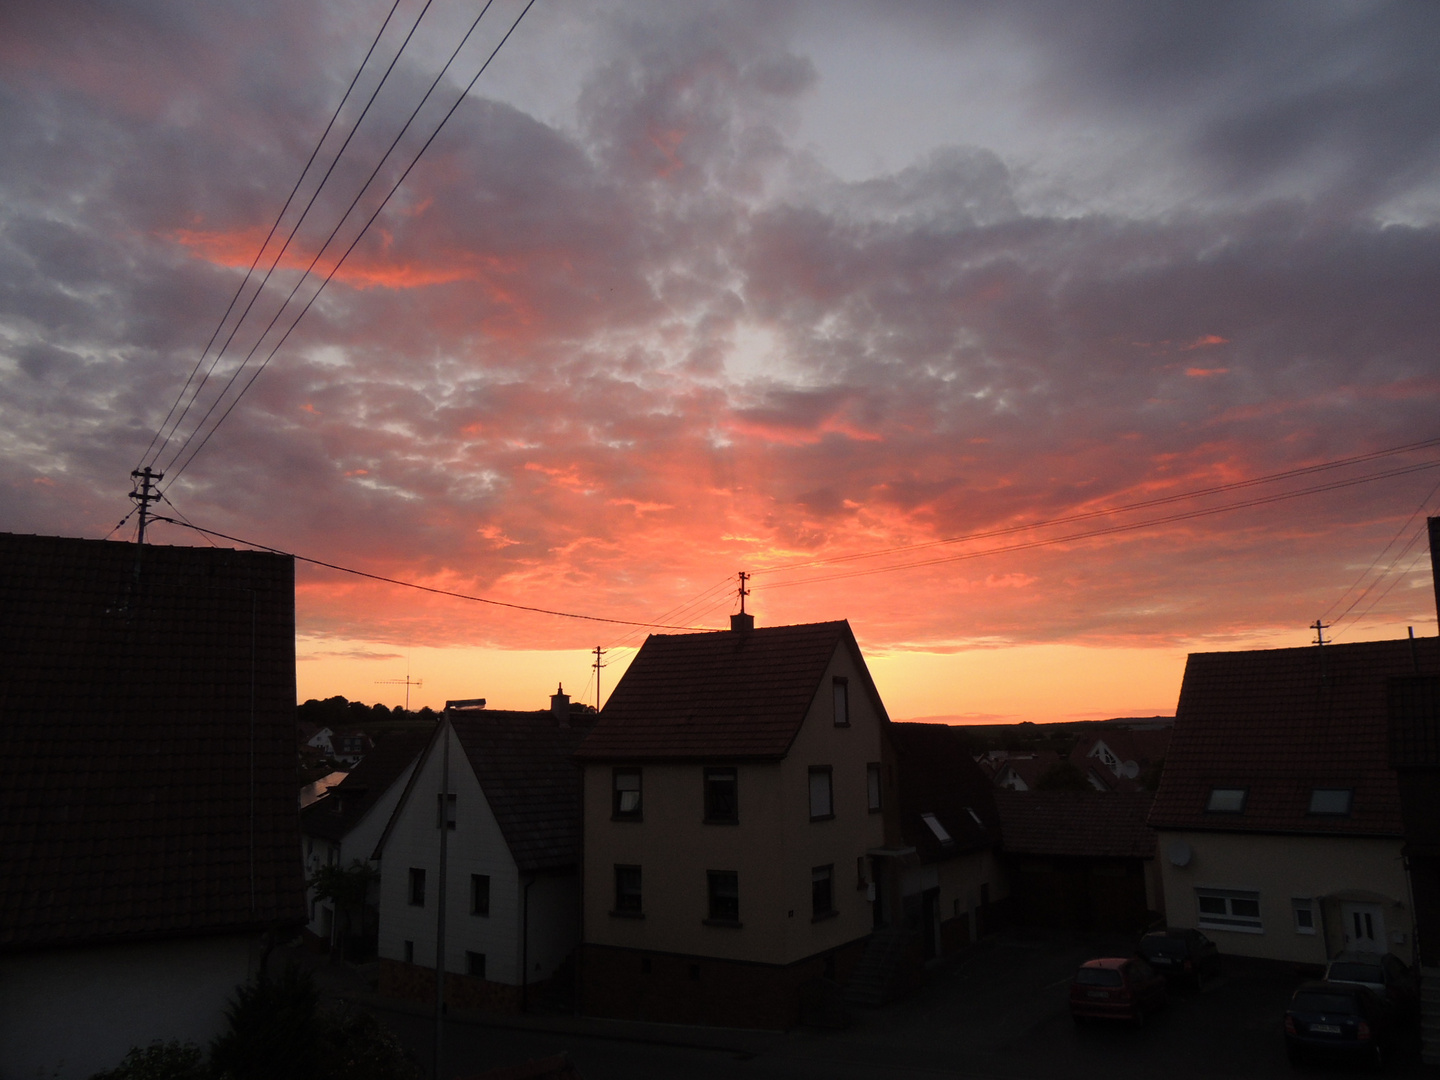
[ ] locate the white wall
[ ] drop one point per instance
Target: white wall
(70, 1013)
(476, 846)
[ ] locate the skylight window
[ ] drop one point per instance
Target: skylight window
(974, 816)
(936, 828)
(1333, 801)
(1226, 800)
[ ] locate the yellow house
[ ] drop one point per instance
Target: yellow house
(734, 796)
(1278, 812)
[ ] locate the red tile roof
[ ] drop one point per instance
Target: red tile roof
(129, 709)
(936, 775)
(1281, 722)
(734, 694)
(1078, 824)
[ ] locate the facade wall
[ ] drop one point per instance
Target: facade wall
(67, 1014)
(1329, 871)
(772, 849)
(475, 846)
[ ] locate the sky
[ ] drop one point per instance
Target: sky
(1046, 342)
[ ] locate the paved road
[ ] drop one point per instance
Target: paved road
(999, 1012)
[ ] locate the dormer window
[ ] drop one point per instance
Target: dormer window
(1226, 800)
(1334, 802)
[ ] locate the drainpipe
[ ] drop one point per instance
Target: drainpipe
(525, 946)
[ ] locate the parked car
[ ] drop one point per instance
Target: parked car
(1182, 955)
(1338, 1021)
(1384, 973)
(1116, 988)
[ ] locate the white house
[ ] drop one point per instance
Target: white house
(510, 893)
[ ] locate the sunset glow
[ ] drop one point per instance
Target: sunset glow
(987, 342)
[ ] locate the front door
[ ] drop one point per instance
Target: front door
(1364, 927)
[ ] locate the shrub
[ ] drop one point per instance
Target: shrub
(172, 1060)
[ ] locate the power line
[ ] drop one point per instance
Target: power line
(1399, 533)
(428, 588)
(270, 235)
(364, 228)
(1109, 530)
(1089, 515)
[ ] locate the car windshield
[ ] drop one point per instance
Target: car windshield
(1162, 946)
(1087, 976)
(1317, 1001)
(1351, 971)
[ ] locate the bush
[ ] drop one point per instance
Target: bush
(160, 1061)
(274, 1030)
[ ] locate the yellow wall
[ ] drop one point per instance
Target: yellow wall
(1281, 868)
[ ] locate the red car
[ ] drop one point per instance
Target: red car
(1116, 988)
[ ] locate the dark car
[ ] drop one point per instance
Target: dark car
(1181, 955)
(1338, 1021)
(1385, 973)
(1116, 988)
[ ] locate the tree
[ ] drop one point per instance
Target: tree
(1063, 776)
(348, 888)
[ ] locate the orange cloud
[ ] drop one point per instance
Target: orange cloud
(1206, 373)
(1209, 341)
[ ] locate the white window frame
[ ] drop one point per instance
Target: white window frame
(1304, 904)
(1229, 919)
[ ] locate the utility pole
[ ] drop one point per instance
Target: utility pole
(1320, 628)
(443, 814)
(145, 496)
(744, 592)
(599, 652)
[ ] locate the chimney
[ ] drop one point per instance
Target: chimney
(741, 622)
(560, 706)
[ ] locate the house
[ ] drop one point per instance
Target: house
(947, 815)
(735, 832)
(148, 823)
(344, 824)
(508, 882)
(1121, 758)
(1080, 860)
(1022, 771)
(1279, 812)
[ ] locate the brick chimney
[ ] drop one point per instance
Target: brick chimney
(560, 706)
(743, 621)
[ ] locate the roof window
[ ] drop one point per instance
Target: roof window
(1226, 800)
(938, 829)
(1332, 801)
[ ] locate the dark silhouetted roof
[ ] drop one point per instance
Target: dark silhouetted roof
(350, 800)
(1280, 723)
(1078, 824)
(129, 709)
(936, 775)
(733, 694)
(525, 763)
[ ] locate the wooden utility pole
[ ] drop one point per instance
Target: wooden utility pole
(599, 652)
(145, 496)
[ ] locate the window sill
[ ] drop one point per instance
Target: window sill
(824, 915)
(823, 817)
(627, 914)
(1233, 927)
(732, 924)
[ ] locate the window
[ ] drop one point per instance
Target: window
(1332, 801)
(475, 964)
(822, 806)
(1304, 909)
(1229, 909)
(1226, 800)
(720, 803)
(724, 897)
(449, 814)
(842, 702)
(822, 891)
(480, 894)
(409, 952)
(872, 786)
(974, 816)
(417, 887)
(626, 806)
(627, 890)
(939, 830)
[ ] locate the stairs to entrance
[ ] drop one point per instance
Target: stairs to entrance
(876, 977)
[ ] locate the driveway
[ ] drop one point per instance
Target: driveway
(999, 1011)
